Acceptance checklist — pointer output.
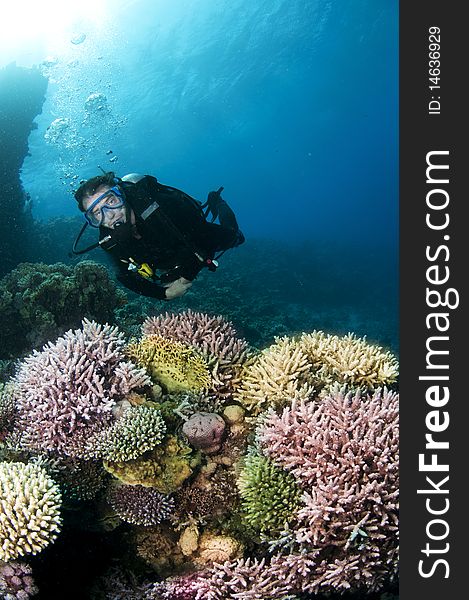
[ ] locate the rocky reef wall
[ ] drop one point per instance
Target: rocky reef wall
(22, 93)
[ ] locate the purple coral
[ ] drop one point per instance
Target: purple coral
(16, 581)
(68, 391)
(205, 431)
(140, 505)
(191, 586)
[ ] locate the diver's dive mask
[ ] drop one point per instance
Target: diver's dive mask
(109, 201)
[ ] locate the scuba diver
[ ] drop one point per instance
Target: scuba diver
(157, 235)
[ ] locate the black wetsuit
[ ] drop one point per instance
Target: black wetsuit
(176, 240)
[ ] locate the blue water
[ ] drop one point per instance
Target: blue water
(292, 105)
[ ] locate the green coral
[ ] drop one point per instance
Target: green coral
(139, 429)
(165, 468)
(38, 302)
(269, 495)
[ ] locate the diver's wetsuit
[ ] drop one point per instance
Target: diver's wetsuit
(175, 237)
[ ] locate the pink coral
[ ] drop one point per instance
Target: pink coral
(205, 431)
(68, 391)
(344, 452)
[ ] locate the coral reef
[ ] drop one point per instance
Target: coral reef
(225, 352)
(175, 365)
(30, 518)
(39, 302)
(276, 480)
(68, 391)
(270, 496)
(349, 360)
(140, 505)
(204, 431)
(16, 581)
(299, 367)
(343, 451)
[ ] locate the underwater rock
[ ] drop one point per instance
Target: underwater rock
(22, 94)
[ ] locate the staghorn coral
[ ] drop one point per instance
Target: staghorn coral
(314, 362)
(16, 581)
(344, 452)
(68, 391)
(29, 519)
(215, 338)
(349, 360)
(270, 496)
(39, 302)
(280, 372)
(140, 505)
(165, 468)
(175, 365)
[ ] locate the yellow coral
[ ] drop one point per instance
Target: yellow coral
(173, 364)
(348, 360)
(295, 368)
(165, 468)
(280, 373)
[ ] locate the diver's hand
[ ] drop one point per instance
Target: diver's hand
(177, 288)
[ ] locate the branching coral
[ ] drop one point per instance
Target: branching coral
(173, 364)
(344, 452)
(217, 340)
(139, 429)
(140, 505)
(280, 373)
(67, 392)
(349, 360)
(78, 479)
(30, 518)
(314, 362)
(270, 495)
